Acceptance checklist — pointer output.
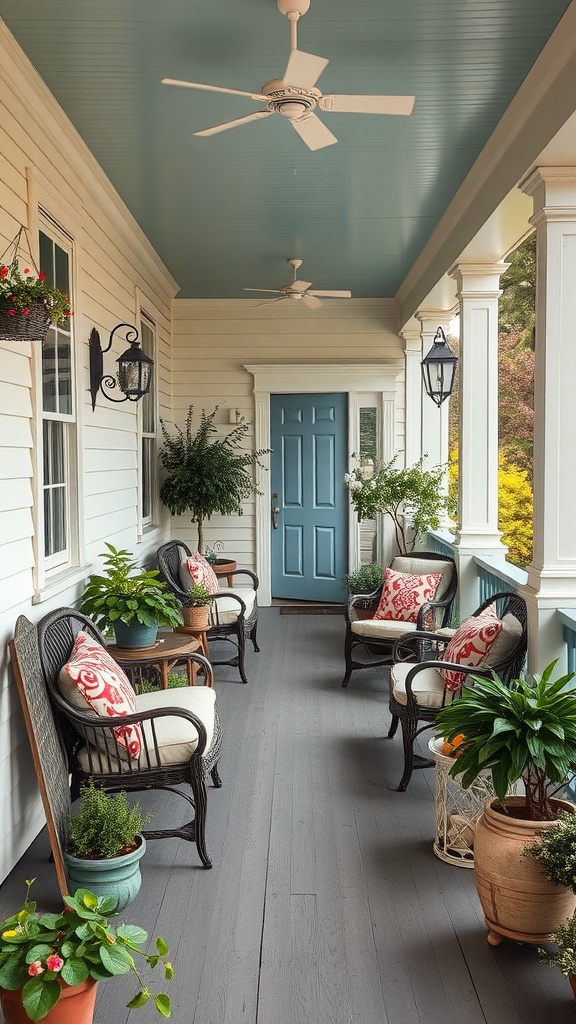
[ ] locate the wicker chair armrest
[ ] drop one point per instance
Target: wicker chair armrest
(409, 646)
(451, 666)
(231, 597)
(246, 572)
(362, 601)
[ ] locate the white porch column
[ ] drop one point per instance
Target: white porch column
(411, 334)
(552, 574)
(434, 419)
(478, 288)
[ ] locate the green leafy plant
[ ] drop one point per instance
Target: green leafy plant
(200, 595)
(525, 729)
(106, 825)
(125, 591)
(413, 497)
(207, 473)
(565, 957)
(18, 290)
(364, 580)
(555, 849)
(39, 950)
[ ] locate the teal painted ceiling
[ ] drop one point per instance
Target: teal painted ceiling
(225, 212)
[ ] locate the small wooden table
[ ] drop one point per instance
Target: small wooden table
(224, 567)
(200, 636)
(169, 649)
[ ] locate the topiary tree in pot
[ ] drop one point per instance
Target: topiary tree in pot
(524, 730)
(207, 472)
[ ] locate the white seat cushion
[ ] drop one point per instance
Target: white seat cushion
(225, 611)
(177, 738)
(382, 629)
(428, 686)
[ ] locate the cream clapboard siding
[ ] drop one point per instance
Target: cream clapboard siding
(116, 272)
(213, 340)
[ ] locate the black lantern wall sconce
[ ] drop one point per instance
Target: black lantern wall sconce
(439, 369)
(134, 375)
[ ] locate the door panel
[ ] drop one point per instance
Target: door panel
(310, 547)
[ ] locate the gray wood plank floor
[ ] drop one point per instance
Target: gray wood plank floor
(325, 904)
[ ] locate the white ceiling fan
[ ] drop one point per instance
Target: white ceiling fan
(295, 96)
(298, 289)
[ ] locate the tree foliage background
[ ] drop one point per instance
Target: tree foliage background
(516, 320)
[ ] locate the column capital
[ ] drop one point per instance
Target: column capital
(441, 317)
(551, 179)
(478, 280)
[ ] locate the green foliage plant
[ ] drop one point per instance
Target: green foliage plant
(200, 595)
(525, 729)
(207, 473)
(127, 592)
(37, 950)
(106, 825)
(565, 957)
(413, 497)
(364, 580)
(555, 849)
(19, 289)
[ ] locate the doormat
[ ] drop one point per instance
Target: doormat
(324, 609)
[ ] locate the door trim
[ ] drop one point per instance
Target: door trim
(306, 378)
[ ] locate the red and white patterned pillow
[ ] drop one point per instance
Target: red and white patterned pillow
(471, 645)
(91, 678)
(403, 594)
(197, 570)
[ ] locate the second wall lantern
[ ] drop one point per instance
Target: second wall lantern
(134, 375)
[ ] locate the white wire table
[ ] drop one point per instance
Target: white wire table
(457, 810)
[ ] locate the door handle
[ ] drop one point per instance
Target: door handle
(275, 514)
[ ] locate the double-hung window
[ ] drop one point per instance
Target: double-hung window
(58, 477)
(148, 476)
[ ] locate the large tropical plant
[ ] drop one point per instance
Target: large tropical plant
(207, 471)
(525, 729)
(126, 592)
(412, 496)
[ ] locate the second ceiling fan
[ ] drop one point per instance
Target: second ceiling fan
(302, 290)
(295, 96)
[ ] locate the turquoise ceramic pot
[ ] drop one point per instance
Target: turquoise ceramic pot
(130, 635)
(118, 876)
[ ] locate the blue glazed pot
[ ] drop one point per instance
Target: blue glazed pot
(117, 876)
(130, 635)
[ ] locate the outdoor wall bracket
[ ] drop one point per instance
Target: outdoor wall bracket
(134, 375)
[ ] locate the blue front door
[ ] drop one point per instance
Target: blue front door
(310, 544)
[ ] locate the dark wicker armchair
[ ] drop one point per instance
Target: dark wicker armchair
(418, 691)
(233, 613)
(182, 750)
(379, 635)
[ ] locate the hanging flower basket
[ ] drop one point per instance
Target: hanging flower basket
(28, 304)
(17, 325)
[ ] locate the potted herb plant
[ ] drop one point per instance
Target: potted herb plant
(521, 731)
(28, 303)
(413, 497)
(50, 964)
(105, 845)
(207, 472)
(196, 614)
(131, 600)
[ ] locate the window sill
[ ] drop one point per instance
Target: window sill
(63, 581)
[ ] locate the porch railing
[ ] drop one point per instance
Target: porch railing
(496, 574)
(568, 619)
(441, 541)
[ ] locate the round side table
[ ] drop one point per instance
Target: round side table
(224, 567)
(168, 651)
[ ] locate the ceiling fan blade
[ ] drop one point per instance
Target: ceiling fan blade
(368, 104)
(214, 88)
(311, 302)
(303, 69)
(271, 291)
(234, 124)
(299, 286)
(331, 295)
(313, 132)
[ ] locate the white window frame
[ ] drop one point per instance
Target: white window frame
(149, 521)
(55, 572)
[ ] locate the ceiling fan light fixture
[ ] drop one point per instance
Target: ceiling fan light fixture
(293, 109)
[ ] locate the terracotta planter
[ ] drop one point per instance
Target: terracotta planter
(75, 1006)
(196, 616)
(517, 899)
